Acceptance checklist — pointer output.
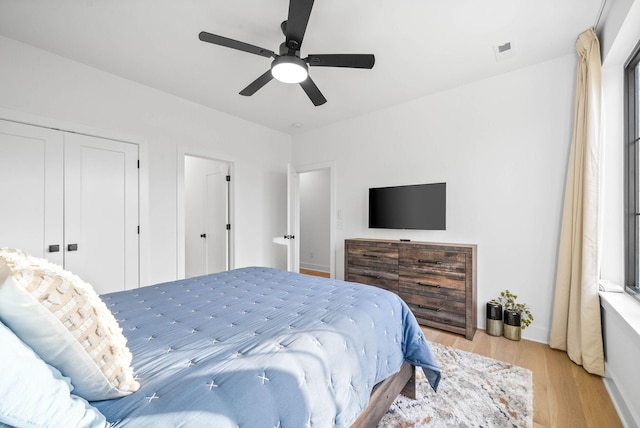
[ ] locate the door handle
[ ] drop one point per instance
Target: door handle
(54, 248)
(203, 235)
(72, 247)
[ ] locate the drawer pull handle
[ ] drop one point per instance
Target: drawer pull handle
(429, 285)
(430, 262)
(370, 275)
(429, 308)
(371, 255)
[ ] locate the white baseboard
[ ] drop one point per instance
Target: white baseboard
(618, 402)
(316, 267)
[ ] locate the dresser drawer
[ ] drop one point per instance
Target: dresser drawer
(429, 314)
(373, 264)
(448, 299)
(433, 268)
(372, 259)
(386, 280)
(383, 255)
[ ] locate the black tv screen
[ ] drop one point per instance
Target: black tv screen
(420, 206)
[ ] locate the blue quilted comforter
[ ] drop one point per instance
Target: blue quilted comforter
(259, 347)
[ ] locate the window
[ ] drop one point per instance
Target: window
(632, 172)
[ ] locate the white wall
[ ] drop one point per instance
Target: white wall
(501, 145)
(37, 84)
(315, 230)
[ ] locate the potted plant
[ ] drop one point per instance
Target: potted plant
(517, 316)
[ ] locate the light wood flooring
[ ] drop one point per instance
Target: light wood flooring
(315, 273)
(564, 394)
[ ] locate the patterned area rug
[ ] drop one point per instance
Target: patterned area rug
(474, 391)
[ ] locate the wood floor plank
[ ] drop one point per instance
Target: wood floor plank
(591, 388)
(315, 273)
(508, 350)
(485, 344)
(463, 344)
(534, 358)
(566, 407)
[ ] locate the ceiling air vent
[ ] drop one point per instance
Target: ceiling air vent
(504, 51)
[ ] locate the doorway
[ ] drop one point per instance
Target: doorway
(315, 228)
(206, 215)
(311, 208)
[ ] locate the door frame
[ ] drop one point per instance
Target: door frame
(331, 166)
(180, 215)
(292, 238)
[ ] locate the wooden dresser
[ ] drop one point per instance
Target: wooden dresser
(436, 280)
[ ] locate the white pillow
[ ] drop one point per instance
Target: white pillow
(34, 394)
(66, 323)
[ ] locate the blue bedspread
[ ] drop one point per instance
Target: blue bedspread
(259, 347)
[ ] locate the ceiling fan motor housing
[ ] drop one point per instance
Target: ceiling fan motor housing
(289, 50)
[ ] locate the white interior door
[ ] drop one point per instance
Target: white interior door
(206, 215)
(216, 220)
(195, 244)
(101, 211)
(31, 176)
(293, 220)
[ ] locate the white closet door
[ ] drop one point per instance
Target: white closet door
(31, 175)
(101, 212)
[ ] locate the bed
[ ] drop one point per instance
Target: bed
(261, 347)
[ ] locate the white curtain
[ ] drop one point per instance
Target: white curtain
(576, 327)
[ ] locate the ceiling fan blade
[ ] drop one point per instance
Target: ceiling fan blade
(235, 44)
(341, 60)
(299, 12)
(313, 92)
(257, 84)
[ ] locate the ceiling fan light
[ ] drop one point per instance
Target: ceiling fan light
(289, 69)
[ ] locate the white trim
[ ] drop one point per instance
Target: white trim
(61, 125)
(618, 402)
(319, 268)
(143, 214)
(626, 306)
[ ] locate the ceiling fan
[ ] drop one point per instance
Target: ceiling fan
(287, 66)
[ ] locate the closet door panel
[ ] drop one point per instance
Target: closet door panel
(31, 188)
(101, 211)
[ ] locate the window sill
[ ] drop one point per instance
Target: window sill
(625, 305)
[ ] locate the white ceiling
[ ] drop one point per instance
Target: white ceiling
(421, 47)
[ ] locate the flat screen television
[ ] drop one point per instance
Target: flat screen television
(420, 206)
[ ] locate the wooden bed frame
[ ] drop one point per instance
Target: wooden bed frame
(383, 394)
